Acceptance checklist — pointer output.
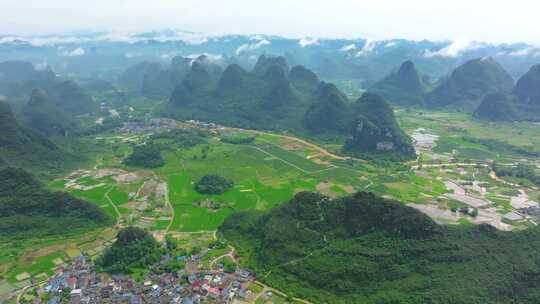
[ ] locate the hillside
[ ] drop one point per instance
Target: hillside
(365, 249)
(528, 87)
(469, 83)
(19, 78)
(375, 130)
(330, 111)
(71, 98)
(404, 87)
(44, 116)
(26, 148)
(523, 104)
(133, 249)
(29, 210)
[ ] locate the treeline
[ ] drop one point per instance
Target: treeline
(519, 171)
(134, 249)
(213, 184)
(146, 156)
(29, 210)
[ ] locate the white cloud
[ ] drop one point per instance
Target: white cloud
(209, 56)
(347, 48)
(251, 46)
(41, 66)
(74, 53)
(525, 52)
(308, 41)
(368, 48)
(456, 48)
(130, 55)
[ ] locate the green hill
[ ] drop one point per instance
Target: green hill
(134, 249)
(404, 87)
(43, 115)
(26, 148)
(523, 104)
(146, 156)
(133, 77)
(375, 130)
(29, 210)
(71, 98)
(330, 112)
(304, 79)
(528, 87)
(469, 83)
(264, 63)
(365, 249)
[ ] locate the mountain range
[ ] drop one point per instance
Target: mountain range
(480, 86)
(107, 55)
(272, 96)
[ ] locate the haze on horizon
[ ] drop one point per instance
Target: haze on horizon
(482, 20)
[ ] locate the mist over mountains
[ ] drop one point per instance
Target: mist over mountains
(106, 55)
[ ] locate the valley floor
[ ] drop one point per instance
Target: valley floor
(452, 182)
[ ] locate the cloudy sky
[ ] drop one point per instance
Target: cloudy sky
(485, 20)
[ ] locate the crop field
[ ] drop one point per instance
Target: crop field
(471, 138)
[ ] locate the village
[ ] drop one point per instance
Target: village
(80, 283)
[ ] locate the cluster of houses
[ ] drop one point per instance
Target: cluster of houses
(155, 124)
(79, 283)
(205, 125)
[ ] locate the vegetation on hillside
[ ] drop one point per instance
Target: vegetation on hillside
(26, 148)
(469, 83)
(403, 87)
(133, 250)
(146, 156)
(365, 249)
(29, 210)
(523, 104)
(213, 184)
(376, 130)
(519, 171)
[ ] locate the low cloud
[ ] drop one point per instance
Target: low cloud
(368, 48)
(130, 55)
(74, 53)
(251, 46)
(41, 66)
(456, 48)
(348, 48)
(308, 41)
(530, 51)
(209, 56)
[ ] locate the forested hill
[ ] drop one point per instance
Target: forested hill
(365, 249)
(29, 210)
(469, 83)
(404, 87)
(523, 104)
(24, 147)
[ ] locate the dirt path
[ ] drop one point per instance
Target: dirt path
(320, 149)
(229, 254)
(289, 163)
(169, 205)
(119, 216)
